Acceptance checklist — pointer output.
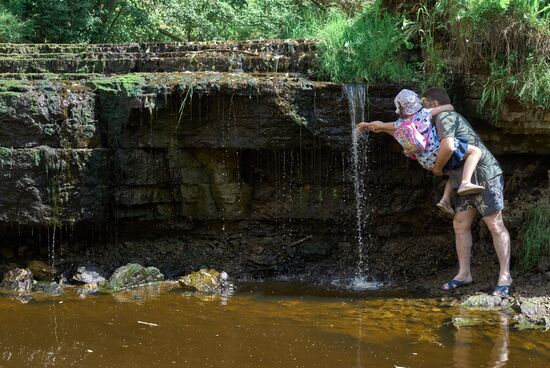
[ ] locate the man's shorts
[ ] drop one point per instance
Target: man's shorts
(488, 202)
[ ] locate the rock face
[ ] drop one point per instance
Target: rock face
(235, 156)
(133, 275)
(207, 281)
(18, 280)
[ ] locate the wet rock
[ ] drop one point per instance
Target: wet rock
(42, 271)
(485, 301)
(52, 288)
(534, 313)
(133, 274)
(85, 276)
(19, 280)
(207, 281)
(87, 289)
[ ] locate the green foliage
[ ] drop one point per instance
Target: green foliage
(536, 235)
(510, 38)
(12, 29)
(494, 93)
(368, 47)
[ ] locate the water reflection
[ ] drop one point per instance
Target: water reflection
(499, 355)
(466, 349)
(139, 294)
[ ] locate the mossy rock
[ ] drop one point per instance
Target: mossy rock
(486, 302)
(42, 271)
(204, 280)
(133, 274)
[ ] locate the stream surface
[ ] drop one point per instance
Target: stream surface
(271, 324)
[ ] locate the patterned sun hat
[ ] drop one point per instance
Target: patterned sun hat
(409, 100)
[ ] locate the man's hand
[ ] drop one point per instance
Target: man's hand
(437, 171)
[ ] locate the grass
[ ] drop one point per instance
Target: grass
(369, 47)
(536, 236)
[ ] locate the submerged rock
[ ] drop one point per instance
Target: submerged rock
(42, 271)
(459, 322)
(19, 280)
(85, 276)
(133, 274)
(52, 288)
(207, 281)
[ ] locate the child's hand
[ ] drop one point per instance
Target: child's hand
(361, 127)
(373, 126)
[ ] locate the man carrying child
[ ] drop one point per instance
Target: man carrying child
(486, 196)
(489, 203)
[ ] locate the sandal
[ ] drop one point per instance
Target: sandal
(455, 284)
(502, 290)
(445, 208)
(469, 188)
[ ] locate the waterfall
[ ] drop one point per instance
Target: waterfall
(355, 94)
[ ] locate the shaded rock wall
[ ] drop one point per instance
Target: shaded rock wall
(242, 168)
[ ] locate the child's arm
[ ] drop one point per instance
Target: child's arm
(377, 127)
(439, 109)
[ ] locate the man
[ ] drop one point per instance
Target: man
(489, 203)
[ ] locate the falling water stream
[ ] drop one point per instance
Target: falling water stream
(355, 94)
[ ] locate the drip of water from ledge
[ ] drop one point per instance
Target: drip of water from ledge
(355, 94)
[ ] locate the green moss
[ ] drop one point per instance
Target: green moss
(13, 86)
(5, 151)
(129, 84)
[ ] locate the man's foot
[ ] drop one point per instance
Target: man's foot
(502, 290)
(445, 207)
(469, 188)
(455, 284)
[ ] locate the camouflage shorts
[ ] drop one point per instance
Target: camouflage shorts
(488, 202)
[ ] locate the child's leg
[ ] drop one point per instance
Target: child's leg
(471, 158)
(445, 202)
(447, 193)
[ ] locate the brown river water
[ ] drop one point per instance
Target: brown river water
(274, 324)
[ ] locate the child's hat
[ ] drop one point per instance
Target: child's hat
(407, 100)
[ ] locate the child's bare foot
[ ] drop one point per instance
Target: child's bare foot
(469, 188)
(445, 206)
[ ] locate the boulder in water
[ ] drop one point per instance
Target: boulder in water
(19, 280)
(85, 276)
(133, 274)
(534, 313)
(486, 301)
(42, 271)
(207, 281)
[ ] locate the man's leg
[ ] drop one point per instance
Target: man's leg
(462, 225)
(501, 241)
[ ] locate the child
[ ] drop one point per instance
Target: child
(416, 133)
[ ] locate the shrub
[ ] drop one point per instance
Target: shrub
(535, 235)
(369, 47)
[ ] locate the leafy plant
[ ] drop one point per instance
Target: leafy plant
(535, 235)
(369, 47)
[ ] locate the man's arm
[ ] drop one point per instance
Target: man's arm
(446, 149)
